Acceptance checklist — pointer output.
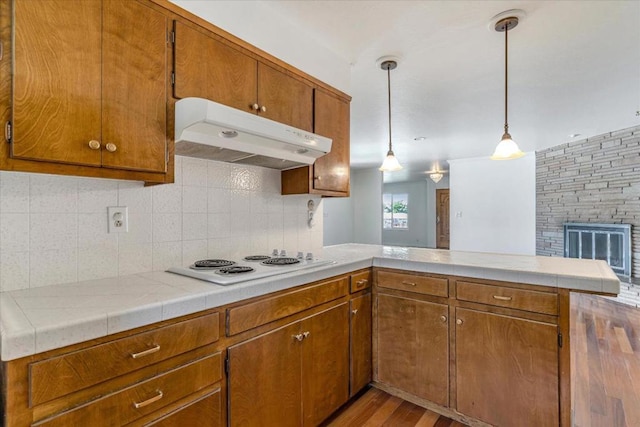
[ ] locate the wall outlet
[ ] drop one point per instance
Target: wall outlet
(118, 219)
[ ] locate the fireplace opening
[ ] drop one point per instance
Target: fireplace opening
(608, 242)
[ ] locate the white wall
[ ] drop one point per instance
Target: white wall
(492, 205)
(338, 220)
(257, 24)
(53, 229)
(366, 191)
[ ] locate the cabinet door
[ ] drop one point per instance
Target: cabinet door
(506, 369)
(57, 80)
(204, 412)
(264, 380)
(360, 344)
(331, 171)
(284, 99)
(325, 363)
(208, 68)
(413, 347)
(134, 107)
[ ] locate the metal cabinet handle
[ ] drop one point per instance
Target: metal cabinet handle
(94, 144)
(443, 319)
(149, 401)
(306, 334)
(459, 322)
(408, 283)
(361, 283)
(318, 178)
(147, 352)
(111, 147)
(501, 298)
(354, 311)
(263, 109)
(298, 337)
(255, 107)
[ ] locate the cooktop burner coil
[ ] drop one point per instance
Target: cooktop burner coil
(280, 261)
(211, 264)
(256, 257)
(234, 269)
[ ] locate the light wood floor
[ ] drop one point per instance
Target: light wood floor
(605, 353)
(605, 376)
(376, 408)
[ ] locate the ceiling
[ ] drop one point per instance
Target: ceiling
(574, 68)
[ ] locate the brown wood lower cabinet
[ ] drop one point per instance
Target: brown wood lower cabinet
(413, 347)
(292, 376)
(506, 369)
(502, 362)
(360, 343)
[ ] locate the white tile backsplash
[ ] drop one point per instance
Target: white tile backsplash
(14, 192)
(53, 229)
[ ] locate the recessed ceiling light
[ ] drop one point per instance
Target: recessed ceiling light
(419, 138)
(574, 135)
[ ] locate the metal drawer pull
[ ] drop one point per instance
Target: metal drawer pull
(443, 318)
(146, 352)
(306, 334)
(361, 282)
(149, 401)
(501, 298)
(354, 311)
(408, 283)
(459, 322)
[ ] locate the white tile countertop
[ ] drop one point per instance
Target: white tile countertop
(40, 319)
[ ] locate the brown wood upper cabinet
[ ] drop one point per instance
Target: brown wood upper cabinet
(207, 66)
(329, 175)
(89, 84)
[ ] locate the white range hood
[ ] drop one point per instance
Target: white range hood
(214, 131)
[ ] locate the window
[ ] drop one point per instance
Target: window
(395, 213)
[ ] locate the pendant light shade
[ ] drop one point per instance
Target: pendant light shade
(507, 149)
(390, 163)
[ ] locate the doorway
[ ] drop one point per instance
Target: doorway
(442, 218)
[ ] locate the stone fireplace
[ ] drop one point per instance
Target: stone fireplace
(591, 181)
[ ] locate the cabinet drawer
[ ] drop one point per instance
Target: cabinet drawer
(408, 282)
(204, 412)
(261, 312)
(143, 398)
(520, 299)
(360, 281)
(59, 376)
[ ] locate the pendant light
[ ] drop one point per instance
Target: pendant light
(507, 149)
(390, 163)
(436, 177)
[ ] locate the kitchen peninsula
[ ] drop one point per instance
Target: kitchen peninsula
(445, 325)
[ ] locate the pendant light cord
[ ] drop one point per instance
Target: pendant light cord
(389, 100)
(506, 76)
